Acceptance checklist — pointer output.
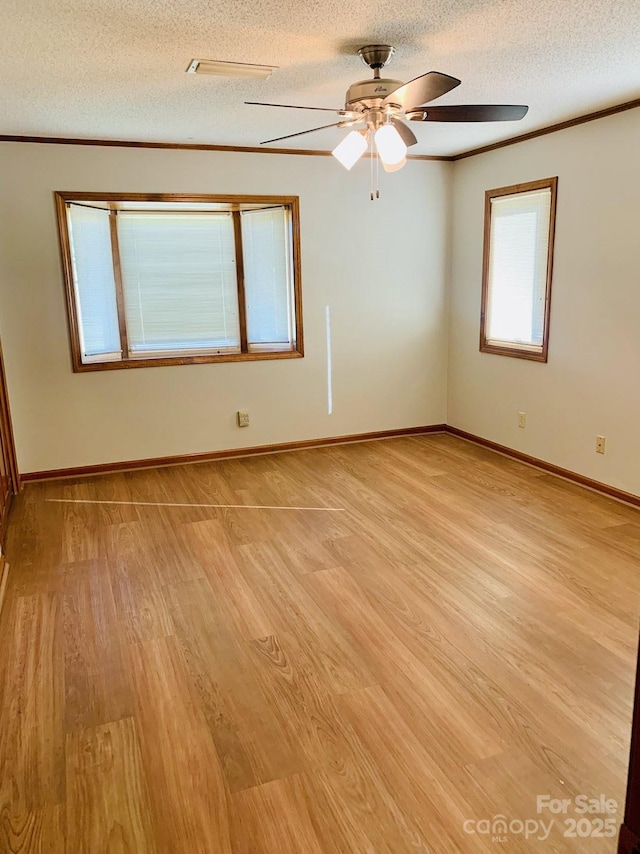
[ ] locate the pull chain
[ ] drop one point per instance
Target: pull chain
(374, 170)
(371, 165)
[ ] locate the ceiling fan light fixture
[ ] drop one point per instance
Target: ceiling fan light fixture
(395, 166)
(350, 149)
(390, 146)
(384, 106)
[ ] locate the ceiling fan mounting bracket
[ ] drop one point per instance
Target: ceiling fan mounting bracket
(376, 56)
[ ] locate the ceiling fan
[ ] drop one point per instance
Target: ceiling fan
(378, 109)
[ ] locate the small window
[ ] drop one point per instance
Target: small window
(163, 280)
(518, 261)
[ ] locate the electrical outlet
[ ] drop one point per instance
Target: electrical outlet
(243, 418)
(522, 419)
(600, 444)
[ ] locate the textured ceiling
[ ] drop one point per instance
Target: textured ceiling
(116, 68)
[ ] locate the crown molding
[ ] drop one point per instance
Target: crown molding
(180, 146)
(569, 123)
(253, 149)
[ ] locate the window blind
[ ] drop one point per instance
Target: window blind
(518, 255)
(266, 247)
(179, 281)
(92, 262)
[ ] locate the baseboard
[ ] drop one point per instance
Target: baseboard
(211, 456)
(566, 474)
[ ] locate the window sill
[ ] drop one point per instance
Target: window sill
(515, 351)
(169, 361)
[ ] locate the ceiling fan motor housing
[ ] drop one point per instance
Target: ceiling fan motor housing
(366, 94)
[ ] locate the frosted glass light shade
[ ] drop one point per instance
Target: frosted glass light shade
(393, 167)
(351, 149)
(391, 148)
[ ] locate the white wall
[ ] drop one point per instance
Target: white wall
(591, 384)
(380, 266)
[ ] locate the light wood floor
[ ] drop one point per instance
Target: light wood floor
(458, 640)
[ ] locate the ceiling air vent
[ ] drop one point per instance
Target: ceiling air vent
(230, 69)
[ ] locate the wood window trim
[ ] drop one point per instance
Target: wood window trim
(117, 278)
(242, 303)
(234, 202)
(518, 351)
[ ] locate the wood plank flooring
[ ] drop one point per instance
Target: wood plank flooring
(458, 639)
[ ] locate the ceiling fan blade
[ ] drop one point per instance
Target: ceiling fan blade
(295, 107)
(471, 113)
(301, 133)
(423, 89)
(407, 135)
